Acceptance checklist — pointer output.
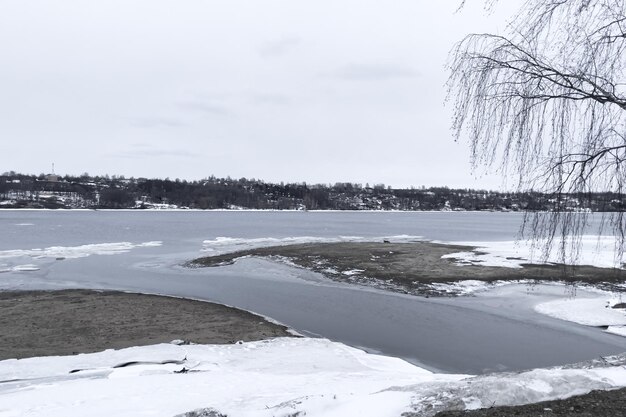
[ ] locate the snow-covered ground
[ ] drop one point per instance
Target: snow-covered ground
(585, 304)
(618, 330)
(279, 377)
(587, 311)
(594, 251)
(594, 310)
(471, 286)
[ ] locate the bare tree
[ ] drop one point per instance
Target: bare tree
(547, 103)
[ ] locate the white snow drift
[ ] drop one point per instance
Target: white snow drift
(594, 251)
(77, 251)
(278, 377)
(587, 311)
(590, 311)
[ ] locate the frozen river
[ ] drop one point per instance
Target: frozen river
(142, 251)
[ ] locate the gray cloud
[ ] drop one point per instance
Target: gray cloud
(147, 151)
(373, 72)
(279, 47)
(210, 106)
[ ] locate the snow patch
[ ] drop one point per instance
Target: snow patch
(618, 330)
(587, 311)
(353, 272)
(82, 251)
(484, 259)
(465, 287)
(18, 268)
(470, 286)
(509, 389)
(594, 251)
(25, 268)
(278, 377)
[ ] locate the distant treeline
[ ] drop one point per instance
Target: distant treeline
(86, 191)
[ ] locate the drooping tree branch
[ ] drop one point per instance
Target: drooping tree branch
(547, 103)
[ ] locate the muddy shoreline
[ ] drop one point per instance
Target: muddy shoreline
(66, 322)
(413, 268)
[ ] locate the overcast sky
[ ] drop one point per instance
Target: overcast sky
(280, 90)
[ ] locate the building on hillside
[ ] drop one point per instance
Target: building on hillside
(52, 178)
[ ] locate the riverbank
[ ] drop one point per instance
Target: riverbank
(595, 404)
(419, 268)
(46, 323)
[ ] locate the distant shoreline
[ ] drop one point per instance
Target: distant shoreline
(70, 191)
(179, 210)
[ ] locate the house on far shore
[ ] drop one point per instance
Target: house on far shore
(52, 178)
